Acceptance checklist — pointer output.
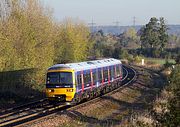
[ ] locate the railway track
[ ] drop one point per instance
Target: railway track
(26, 114)
(20, 108)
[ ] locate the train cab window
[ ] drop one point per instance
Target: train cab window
(63, 78)
(66, 77)
(52, 78)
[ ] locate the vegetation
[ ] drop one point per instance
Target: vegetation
(154, 36)
(31, 40)
(159, 61)
(172, 117)
(177, 59)
(165, 111)
(72, 44)
(114, 46)
(152, 40)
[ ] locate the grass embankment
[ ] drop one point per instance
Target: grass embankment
(19, 87)
(159, 61)
(166, 108)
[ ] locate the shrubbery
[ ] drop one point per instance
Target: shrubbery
(166, 108)
(173, 117)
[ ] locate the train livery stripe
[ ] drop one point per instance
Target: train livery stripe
(82, 79)
(91, 78)
(108, 75)
(115, 74)
(102, 76)
(120, 71)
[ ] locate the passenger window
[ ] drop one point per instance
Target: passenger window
(112, 72)
(105, 74)
(99, 75)
(117, 71)
(79, 79)
(87, 78)
(109, 74)
(94, 76)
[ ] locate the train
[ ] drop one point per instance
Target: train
(73, 82)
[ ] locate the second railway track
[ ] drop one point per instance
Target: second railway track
(28, 113)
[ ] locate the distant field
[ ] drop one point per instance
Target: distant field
(158, 61)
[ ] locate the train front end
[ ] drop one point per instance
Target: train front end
(60, 84)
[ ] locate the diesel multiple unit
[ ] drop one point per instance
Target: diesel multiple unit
(74, 82)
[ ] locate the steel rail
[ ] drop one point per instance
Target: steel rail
(26, 113)
(24, 109)
(21, 106)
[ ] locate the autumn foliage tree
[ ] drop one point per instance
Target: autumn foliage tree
(30, 38)
(72, 45)
(28, 34)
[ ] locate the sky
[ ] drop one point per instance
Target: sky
(107, 12)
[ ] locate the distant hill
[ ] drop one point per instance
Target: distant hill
(173, 29)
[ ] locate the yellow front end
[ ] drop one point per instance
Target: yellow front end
(58, 93)
(61, 94)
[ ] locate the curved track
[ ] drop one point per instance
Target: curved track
(29, 112)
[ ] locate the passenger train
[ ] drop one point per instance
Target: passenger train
(73, 82)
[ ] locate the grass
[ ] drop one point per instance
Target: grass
(158, 61)
(73, 123)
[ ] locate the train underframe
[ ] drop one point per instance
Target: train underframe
(86, 94)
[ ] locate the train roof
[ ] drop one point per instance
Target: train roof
(86, 65)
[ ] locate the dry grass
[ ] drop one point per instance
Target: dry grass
(143, 119)
(160, 106)
(161, 103)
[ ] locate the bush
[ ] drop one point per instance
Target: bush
(172, 118)
(177, 59)
(137, 59)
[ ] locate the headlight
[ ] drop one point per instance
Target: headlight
(69, 90)
(51, 90)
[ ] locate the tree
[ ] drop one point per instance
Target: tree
(30, 39)
(27, 36)
(129, 39)
(163, 36)
(177, 59)
(149, 34)
(72, 44)
(154, 35)
(131, 33)
(108, 51)
(172, 117)
(172, 42)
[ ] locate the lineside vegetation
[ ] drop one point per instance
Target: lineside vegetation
(165, 111)
(30, 39)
